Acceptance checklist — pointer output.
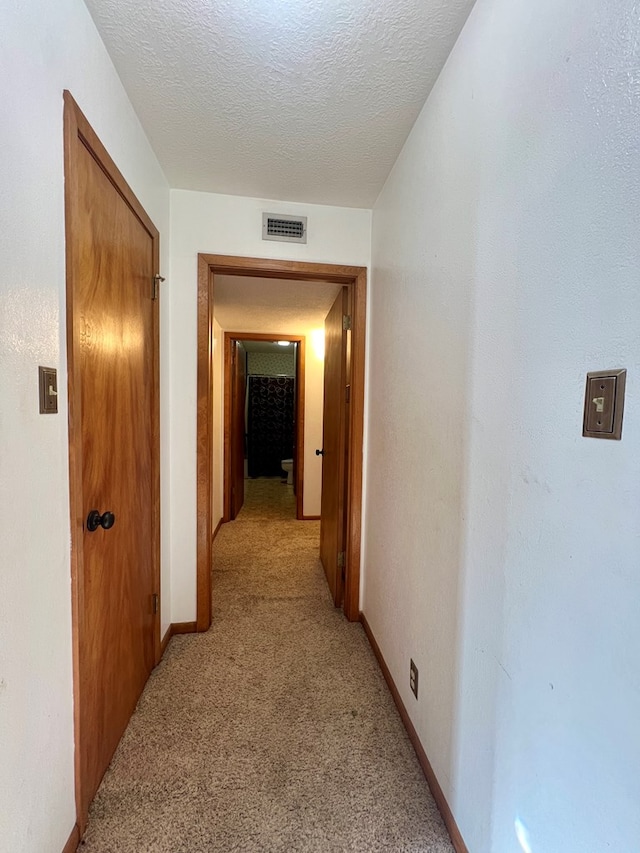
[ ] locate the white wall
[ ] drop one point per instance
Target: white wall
(313, 412)
(232, 225)
(44, 48)
(502, 548)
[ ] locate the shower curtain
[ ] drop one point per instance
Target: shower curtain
(270, 424)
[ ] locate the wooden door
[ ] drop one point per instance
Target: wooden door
(335, 414)
(112, 339)
(296, 405)
(238, 430)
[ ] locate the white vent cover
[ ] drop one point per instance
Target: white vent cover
(288, 229)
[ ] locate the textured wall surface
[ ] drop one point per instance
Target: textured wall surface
(43, 49)
(207, 222)
(271, 364)
(502, 548)
(307, 101)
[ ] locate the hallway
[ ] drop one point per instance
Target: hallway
(274, 731)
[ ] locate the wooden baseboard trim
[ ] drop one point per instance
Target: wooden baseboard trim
(176, 628)
(310, 518)
(183, 628)
(427, 769)
(74, 840)
(215, 532)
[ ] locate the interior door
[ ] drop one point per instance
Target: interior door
(238, 429)
(335, 415)
(113, 423)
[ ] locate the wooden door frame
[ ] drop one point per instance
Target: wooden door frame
(210, 265)
(76, 127)
(229, 338)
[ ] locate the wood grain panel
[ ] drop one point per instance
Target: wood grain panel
(204, 440)
(358, 311)
(113, 324)
(73, 841)
(183, 628)
(238, 427)
(270, 268)
(334, 443)
(227, 429)
(112, 329)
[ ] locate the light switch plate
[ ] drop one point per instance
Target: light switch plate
(48, 384)
(604, 404)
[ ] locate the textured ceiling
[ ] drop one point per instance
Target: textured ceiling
(271, 306)
(306, 101)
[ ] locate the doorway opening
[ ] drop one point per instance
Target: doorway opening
(264, 406)
(350, 341)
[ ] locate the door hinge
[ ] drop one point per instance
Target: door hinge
(346, 322)
(156, 285)
(155, 599)
(347, 394)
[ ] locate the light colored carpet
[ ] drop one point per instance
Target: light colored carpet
(275, 730)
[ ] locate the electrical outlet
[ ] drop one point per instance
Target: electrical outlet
(413, 678)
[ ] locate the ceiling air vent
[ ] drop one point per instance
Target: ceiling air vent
(288, 229)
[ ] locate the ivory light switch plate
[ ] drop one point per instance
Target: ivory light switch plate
(604, 404)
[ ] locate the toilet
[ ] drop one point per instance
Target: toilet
(287, 466)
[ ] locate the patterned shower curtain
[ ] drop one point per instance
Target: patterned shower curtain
(270, 424)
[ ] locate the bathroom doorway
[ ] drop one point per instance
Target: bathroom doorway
(264, 394)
